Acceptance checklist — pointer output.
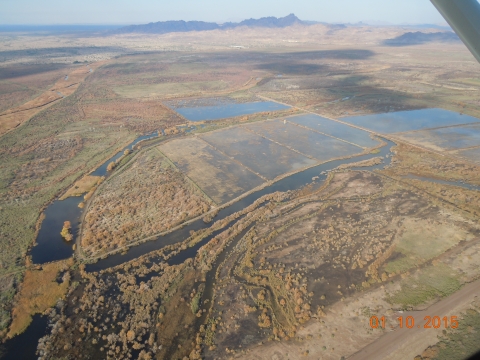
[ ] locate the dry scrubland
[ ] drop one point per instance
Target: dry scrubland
(411, 160)
(148, 198)
(267, 288)
(20, 83)
(16, 116)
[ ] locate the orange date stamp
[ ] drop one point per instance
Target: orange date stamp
(429, 322)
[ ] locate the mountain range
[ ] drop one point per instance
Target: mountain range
(164, 27)
(418, 37)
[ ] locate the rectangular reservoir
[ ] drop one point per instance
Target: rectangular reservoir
(336, 129)
(221, 178)
(450, 138)
(402, 121)
(308, 142)
(257, 153)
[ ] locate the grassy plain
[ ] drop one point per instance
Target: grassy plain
(66, 86)
(460, 343)
(21, 83)
(435, 239)
(426, 285)
(170, 89)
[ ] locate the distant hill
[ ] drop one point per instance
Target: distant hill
(268, 22)
(164, 27)
(418, 37)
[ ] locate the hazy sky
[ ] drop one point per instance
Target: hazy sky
(144, 11)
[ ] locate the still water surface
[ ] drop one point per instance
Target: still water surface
(400, 121)
(228, 110)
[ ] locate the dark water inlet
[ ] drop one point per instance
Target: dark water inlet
(50, 245)
(24, 346)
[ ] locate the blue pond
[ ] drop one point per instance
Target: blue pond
(401, 121)
(228, 110)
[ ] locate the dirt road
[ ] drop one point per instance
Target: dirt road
(393, 340)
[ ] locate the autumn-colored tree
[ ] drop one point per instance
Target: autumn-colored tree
(66, 234)
(130, 335)
(111, 166)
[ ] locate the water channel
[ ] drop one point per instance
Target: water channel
(291, 182)
(444, 182)
(24, 346)
(50, 246)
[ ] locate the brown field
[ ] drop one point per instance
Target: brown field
(21, 83)
(470, 154)
(113, 111)
(82, 186)
(412, 160)
(40, 290)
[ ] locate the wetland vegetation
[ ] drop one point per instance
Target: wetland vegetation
(253, 234)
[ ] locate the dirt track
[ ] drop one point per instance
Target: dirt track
(389, 343)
